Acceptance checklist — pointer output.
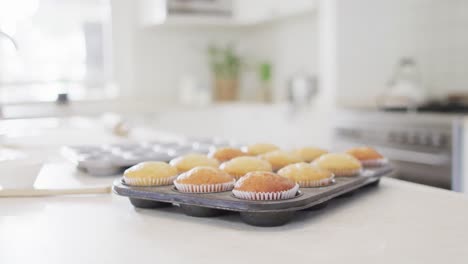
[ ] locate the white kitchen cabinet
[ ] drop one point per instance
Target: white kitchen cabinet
(244, 13)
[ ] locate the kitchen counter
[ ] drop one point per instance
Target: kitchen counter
(277, 123)
(397, 222)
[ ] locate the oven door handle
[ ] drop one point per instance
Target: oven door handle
(416, 157)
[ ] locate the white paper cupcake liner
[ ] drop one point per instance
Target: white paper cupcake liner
(316, 183)
(374, 163)
(204, 188)
(346, 173)
(265, 196)
(149, 181)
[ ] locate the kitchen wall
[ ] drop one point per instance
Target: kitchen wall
(373, 35)
(291, 44)
(150, 61)
(360, 42)
(165, 54)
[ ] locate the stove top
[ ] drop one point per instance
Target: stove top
(434, 107)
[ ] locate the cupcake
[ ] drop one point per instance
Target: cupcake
(189, 161)
(307, 175)
(204, 180)
(309, 154)
(225, 154)
(340, 164)
(262, 185)
(280, 158)
(368, 156)
(257, 149)
(151, 173)
(238, 167)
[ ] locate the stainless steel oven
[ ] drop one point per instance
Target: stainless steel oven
(424, 148)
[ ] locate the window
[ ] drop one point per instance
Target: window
(62, 47)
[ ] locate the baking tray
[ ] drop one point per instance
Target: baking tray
(101, 160)
(258, 213)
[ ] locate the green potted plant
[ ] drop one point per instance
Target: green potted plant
(265, 76)
(225, 66)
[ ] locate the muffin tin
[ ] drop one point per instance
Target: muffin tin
(257, 213)
(114, 158)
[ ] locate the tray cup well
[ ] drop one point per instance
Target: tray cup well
(267, 219)
(148, 204)
(199, 211)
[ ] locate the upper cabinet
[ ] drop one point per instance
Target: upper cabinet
(219, 12)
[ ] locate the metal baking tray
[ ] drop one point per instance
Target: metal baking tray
(114, 158)
(258, 213)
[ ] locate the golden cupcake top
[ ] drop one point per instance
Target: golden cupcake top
(262, 181)
(303, 171)
(309, 154)
(150, 169)
(225, 154)
(204, 175)
(260, 148)
(280, 158)
(238, 167)
(338, 161)
(365, 153)
(189, 161)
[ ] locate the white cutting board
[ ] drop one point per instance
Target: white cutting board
(60, 175)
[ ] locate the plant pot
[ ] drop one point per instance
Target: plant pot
(264, 94)
(226, 89)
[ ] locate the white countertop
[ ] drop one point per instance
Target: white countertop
(397, 222)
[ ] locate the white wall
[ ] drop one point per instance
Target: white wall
(124, 25)
(360, 43)
(291, 44)
(165, 54)
(151, 60)
(373, 35)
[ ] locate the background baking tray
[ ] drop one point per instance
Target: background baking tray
(114, 158)
(259, 213)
